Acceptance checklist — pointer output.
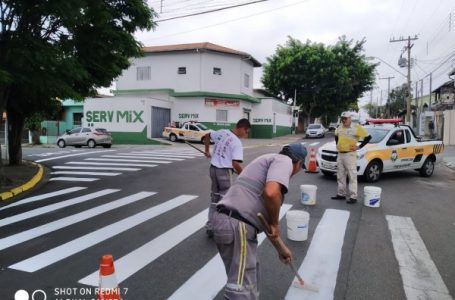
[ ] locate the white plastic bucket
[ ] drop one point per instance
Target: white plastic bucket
(372, 196)
(297, 224)
(308, 194)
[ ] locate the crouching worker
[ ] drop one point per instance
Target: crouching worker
(260, 188)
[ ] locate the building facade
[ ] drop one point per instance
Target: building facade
(172, 84)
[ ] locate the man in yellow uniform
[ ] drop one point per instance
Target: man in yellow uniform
(346, 136)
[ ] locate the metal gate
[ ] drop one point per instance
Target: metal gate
(161, 117)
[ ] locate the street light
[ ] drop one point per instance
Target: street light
(375, 57)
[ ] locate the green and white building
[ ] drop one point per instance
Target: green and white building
(200, 82)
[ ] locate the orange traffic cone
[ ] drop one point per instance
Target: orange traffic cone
(108, 288)
(312, 167)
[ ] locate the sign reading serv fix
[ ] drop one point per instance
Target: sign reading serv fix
(118, 116)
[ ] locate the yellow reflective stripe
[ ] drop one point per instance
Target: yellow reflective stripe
(242, 259)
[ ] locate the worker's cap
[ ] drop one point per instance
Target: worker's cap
(296, 151)
(346, 114)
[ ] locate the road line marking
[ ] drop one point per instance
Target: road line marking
(130, 160)
(82, 243)
(322, 260)
(74, 179)
(149, 156)
(314, 144)
(70, 155)
(144, 255)
(163, 152)
(94, 168)
(55, 206)
(207, 282)
(109, 164)
(44, 196)
(70, 220)
(86, 173)
(421, 279)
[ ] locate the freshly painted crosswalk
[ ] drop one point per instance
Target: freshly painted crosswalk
(321, 264)
(114, 163)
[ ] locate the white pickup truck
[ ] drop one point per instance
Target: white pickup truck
(393, 147)
(190, 131)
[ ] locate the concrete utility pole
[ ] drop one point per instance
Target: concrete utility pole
(388, 94)
(408, 48)
(431, 82)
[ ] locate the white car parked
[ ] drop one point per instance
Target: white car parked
(315, 130)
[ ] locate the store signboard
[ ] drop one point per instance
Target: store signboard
(217, 102)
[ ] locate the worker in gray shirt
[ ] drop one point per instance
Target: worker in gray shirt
(260, 188)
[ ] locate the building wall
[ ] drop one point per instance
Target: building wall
(271, 118)
(199, 73)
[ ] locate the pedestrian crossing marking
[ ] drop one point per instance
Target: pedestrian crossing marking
(109, 164)
(322, 260)
(145, 157)
(85, 173)
(71, 155)
(44, 196)
(207, 282)
(77, 245)
(146, 254)
(129, 160)
(421, 279)
(70, 220)
(166, 155)
(55, 206)
(73, 179)
(94, 168)
(313, 144)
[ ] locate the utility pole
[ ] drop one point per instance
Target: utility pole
(408, 48)
(388, 94)
(431, 82)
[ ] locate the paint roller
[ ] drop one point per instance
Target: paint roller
(279, 246)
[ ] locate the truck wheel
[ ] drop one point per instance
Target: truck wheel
(427, 168)
(373, 171)
(172, 137)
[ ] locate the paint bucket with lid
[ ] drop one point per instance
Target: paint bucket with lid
(308, 194)
(297, 224)
(372, 196)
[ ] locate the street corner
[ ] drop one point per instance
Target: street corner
(21, 178)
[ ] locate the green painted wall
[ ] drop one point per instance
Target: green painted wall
(137, 138)
(257, 131)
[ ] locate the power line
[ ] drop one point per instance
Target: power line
(210, 11)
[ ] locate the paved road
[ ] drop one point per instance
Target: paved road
(147, 206)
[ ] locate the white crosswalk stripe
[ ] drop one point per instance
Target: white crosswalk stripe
(95, 168)
(44, 196)
(74, 179)
(421, 279)
(55, 206)
(85, 173)
(109, 164)
(145, 157)
(67, 221)
(129, 160)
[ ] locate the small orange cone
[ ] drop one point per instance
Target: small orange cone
(312, 167)
(108, 288)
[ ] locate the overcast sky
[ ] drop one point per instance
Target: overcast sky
(259, 28)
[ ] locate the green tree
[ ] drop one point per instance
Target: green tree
(397, 103)
(63, 49)
(327, 79)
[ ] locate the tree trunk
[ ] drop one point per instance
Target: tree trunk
(35, 137)
(15, 129)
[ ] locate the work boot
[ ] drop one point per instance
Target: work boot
(351, 201)
(209, 233)
(338, 197)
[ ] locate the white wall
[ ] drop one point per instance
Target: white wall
(199, 72)
(263, 113)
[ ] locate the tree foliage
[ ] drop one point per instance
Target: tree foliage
(64, 49)
(327, 79)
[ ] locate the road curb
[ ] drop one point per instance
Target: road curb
(26, 186)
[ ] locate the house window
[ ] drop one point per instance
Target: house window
(181, 70)
(221, 115)
(77, 119)
(216, 71)
(246, 80)
(143, 73)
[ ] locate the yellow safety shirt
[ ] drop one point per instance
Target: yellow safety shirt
(349, 136)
